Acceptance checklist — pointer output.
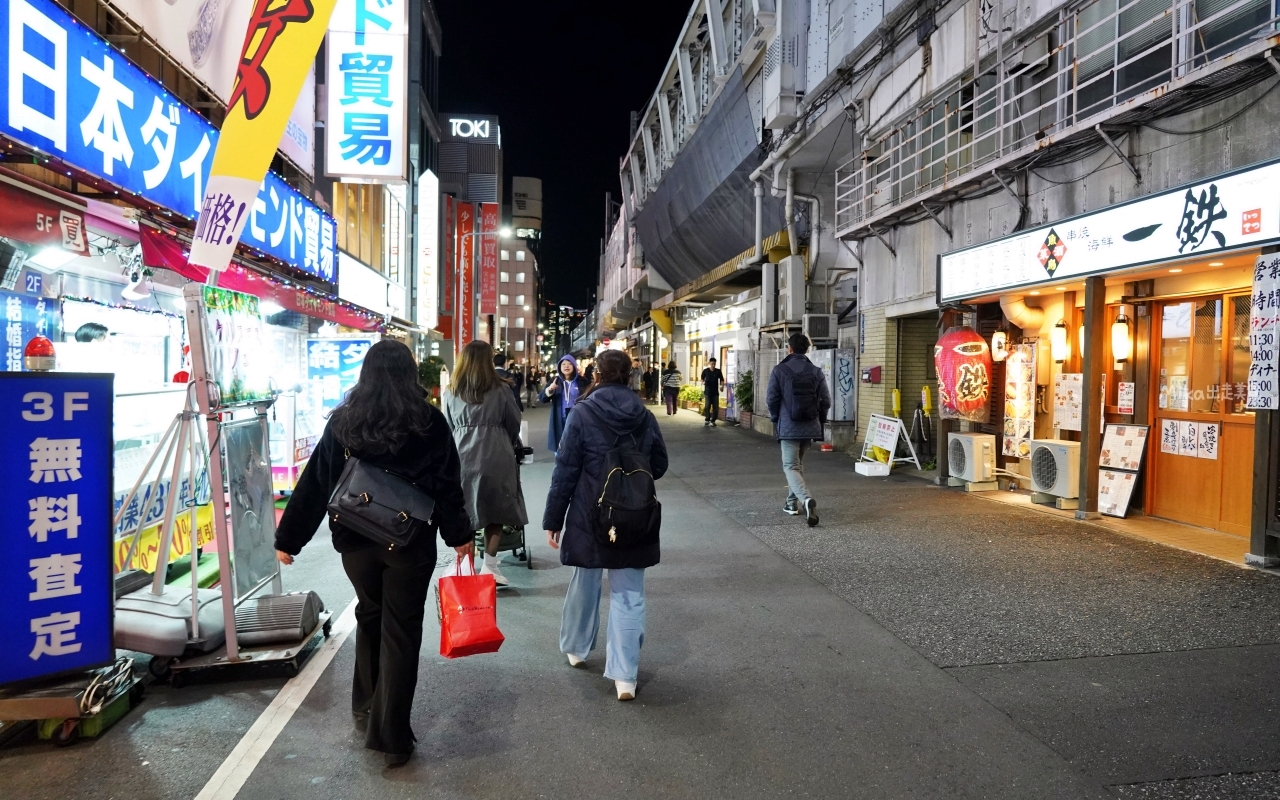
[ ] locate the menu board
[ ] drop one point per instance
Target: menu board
(1122, 446)
(1124, 397)
(1019, 400)
(1207, 444)
(1115, 489)
(1068, 401)
(1169, 436)
(1264, 335)
(1188, 438)
(1119, 462)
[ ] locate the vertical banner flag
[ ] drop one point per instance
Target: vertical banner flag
(488, 258)
(1264, 328)
(450, 240)
(367, 64)
(464, 327)
(55, 555)
(428, 240)
(279, 47)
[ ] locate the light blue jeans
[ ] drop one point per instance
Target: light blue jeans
(580, 620)
(793, 467)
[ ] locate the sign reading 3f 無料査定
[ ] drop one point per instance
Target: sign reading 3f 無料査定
(55, 512)
(367, 64)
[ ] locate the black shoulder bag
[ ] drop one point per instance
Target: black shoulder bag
(379, 504)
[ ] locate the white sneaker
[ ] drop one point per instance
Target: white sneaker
(574, 661)
(626, 691)
(490, 567)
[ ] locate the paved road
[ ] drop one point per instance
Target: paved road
(919, 643)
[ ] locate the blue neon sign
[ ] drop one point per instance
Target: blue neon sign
(55, 557)
(72, 95)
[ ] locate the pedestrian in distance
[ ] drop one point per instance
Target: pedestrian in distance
(531, 384)
(512, 379)
(386, 421)
(671, 381)
(798, 401)
(650, 381)
(562, 392)
(610, 437)
(485, 422)
(636, 379)
(712, 381)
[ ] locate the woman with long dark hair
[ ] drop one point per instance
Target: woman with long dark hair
(486, 428)
(387, 421)
(608, 412)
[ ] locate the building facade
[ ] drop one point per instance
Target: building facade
(1072, 182)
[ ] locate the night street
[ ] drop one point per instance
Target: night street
(1002, 654)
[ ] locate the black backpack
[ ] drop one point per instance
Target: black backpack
(628, 513)
(801, 395)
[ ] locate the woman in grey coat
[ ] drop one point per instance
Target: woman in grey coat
(485, 420)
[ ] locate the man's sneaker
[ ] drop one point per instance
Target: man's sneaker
(490, 567)
(791, 508)
(811, 511)
(626, 691)
(574, 661)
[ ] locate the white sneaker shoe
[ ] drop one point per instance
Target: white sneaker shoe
(490, 567)
(574, 661)
(626, 691)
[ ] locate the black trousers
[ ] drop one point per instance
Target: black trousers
(391, 589)
(712, 407)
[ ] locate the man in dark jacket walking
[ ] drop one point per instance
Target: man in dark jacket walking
(500, 366)
(798, 401)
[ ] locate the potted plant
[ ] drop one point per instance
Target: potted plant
(429, 375)
(690, 397)
(744, 397)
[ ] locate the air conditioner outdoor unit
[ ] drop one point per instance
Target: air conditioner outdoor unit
(820, 327)
(971, 457)
(1055, 467)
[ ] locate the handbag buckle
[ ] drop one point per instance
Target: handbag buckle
(365, 497)
(402, 516)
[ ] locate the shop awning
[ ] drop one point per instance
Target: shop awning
(163, 251)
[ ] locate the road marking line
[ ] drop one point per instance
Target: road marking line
(240, 764)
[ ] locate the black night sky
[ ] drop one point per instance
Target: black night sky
(563, 78)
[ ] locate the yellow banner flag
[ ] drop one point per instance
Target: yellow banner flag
(145, 555)
(280, 45)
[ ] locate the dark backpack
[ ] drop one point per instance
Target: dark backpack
(628, 513)
(800, 394)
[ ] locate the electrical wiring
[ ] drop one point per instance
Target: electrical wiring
(106, 684)
(1218, 124)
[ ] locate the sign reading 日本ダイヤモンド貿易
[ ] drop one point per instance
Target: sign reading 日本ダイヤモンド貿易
(55, 511)
(74, 96)
(367, 97)
(1220, 213)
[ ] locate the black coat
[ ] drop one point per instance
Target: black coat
(578, 479)
(429, 460)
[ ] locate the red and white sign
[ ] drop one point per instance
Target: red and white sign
(37, 218)
(450, 288)
(488, 258)
(466, 303)
(884, 432)
(1251, 222)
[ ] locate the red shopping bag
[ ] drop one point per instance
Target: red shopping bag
(467, 605)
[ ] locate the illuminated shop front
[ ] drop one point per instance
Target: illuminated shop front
(1135, 316)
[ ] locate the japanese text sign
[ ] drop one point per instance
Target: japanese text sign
(1228, 211)
(77, 98)
(466, 304)
(488, 258)
(55, 555)
(333, 367)
(1264, 328)
(26, 317)
(280, 43)
(884, 431)
(367, 61)
(428, 226)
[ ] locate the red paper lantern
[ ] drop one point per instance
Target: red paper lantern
(963, 361)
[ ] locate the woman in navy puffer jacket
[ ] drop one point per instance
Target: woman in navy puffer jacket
(610, 410)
